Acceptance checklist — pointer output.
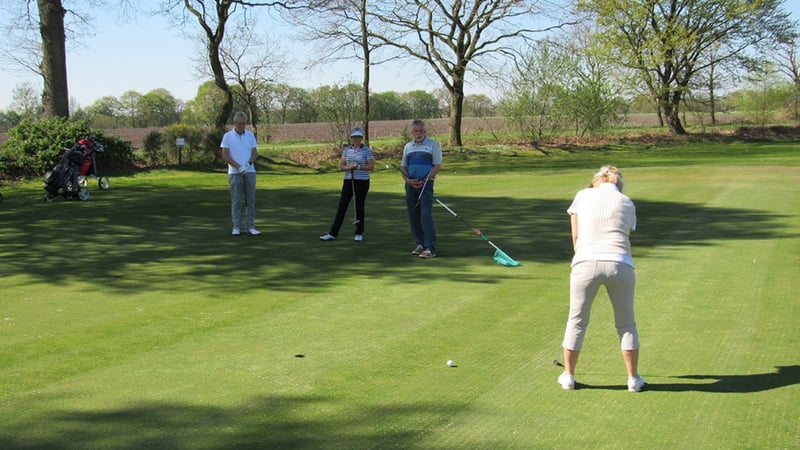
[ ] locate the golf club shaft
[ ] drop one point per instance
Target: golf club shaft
(422, 190)
(355, 197)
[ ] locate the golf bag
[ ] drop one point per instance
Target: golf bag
(63, 178)
(88, 167)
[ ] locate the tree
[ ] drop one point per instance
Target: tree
(389, 106)
(55, 95)
(253, 65)
(423, 105)
(666, 41)
(346, 29)
(787, 60)
(25, 101)
(159, 108)
(340, 106)
(537, 99)
(131, 107)
(450, 36)
(478, 105)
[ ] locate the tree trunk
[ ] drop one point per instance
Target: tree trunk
(670, 105)
(456, 112)
(55, 95)
(366, 49)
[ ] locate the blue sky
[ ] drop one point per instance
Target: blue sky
(148, 53)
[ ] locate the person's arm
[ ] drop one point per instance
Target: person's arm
(369, 165)
(573, 220)
(434, 170)
(226, 156)
(253, 155)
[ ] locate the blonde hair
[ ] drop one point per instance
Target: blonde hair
(608, 174)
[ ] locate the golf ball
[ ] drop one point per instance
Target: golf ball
(450, 363)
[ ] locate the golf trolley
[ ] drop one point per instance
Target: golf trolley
(63, 178)
(88, 167)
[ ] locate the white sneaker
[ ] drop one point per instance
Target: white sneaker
(636, 384)
(253, 232)
(235, 232)
(566, 381)
(358, 238)
(327, 237)
(427, 254)
(417, 250)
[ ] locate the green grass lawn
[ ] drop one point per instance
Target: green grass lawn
(134, 320)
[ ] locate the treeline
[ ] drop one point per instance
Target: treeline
(273, 105)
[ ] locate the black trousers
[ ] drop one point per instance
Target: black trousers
(361, 190)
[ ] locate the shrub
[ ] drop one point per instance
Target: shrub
(154, 148)
(35, 146)
(192, 151)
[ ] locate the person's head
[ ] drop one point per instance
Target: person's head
(239, 122)
(357, 135)
(418, 130)
(608, 174)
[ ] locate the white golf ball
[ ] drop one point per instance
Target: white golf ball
(387, 166)
(450, 363)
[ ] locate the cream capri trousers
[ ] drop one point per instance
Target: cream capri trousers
(585, 281)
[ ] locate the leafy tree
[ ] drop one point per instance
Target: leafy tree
(158, 108)
(423, 105)
(666, 41)
(390, 106)
(339, 106)
(131, 108)
(537, 99)
(478, 105)
(25, 101)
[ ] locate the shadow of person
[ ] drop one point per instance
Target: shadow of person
(784, 376)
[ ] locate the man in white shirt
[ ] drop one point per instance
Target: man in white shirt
(240, 150)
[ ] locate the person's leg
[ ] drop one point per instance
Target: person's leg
(414, 220)
(236, 185)
(621, 286)
(582, 291)
(362, 188)
(344, 201)
(250, 199)
(426, 218)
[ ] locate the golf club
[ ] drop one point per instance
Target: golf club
(500, 257)
(355, 198)
(419, 197)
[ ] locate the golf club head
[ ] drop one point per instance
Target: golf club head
(557, 363)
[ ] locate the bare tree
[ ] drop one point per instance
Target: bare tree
(345, 29)
(252, 63)
(451, 36)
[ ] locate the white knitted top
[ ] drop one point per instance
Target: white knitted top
(606, 217)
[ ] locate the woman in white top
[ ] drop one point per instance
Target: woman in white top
(602, 218)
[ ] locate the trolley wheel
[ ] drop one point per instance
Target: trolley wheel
(103, 183)
(48, 198)
(83, 194)
(83, 181)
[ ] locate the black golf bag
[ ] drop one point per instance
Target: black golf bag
(63, 178)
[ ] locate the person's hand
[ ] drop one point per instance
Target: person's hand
(243, 168)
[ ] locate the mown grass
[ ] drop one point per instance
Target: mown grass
(134, 320)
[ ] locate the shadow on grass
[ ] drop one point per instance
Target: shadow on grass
(758, 382)
(144, 235)
(264, 422)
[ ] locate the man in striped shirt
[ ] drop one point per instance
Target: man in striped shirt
(422, 160)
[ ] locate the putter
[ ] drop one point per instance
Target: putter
(355, 199)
